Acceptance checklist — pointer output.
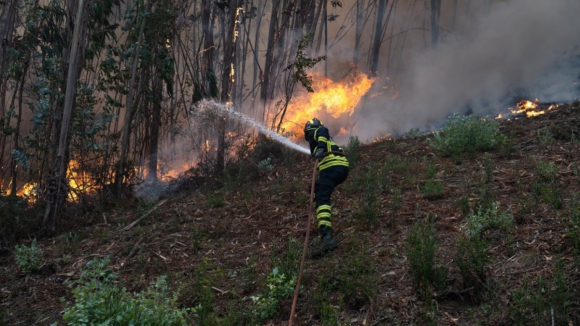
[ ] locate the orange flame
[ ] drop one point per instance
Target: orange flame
(330, 100)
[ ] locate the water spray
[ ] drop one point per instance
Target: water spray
(207, 104)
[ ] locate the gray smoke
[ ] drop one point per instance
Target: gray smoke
(516, 48)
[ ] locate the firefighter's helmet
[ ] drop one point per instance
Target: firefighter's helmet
(312, 124)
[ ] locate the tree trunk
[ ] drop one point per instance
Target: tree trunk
(435, 13)
(377, 40)
(359, 25)
(129, 109)
(14, 170)
(154, 129)
(265, 89)
(58, 184)
(230, 45)
(6, 44)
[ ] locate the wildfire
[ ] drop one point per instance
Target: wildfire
(531, 108)
(80, 182)
(329, 100)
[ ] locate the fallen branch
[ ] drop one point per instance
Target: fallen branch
(144, 215)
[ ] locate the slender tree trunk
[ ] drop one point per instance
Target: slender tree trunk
(58, 179)
(377, 41)
(265, 88)
(326, 37)
(154, 129)
(129, 109)
(359, 24)
(435, 12)
(14, 170)
(230, 45)
(6, 44)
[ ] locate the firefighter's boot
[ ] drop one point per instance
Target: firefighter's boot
(327, 242)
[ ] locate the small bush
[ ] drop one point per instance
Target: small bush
(280, 287)
(486, 219)
(370, 200)
(433, 189)
(421, 247)
(473, 261)
(100, 301)
(467, 135)
(215, 202)
(357, 280)
(28, 259)
(546, 303)
(352, 149)
(266, 164)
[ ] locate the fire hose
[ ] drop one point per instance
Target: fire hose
(310, 210)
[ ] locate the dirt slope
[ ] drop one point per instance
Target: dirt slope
(238, 233)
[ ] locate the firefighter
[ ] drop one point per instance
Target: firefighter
(332, 170)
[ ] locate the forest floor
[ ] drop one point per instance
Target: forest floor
(233, 236)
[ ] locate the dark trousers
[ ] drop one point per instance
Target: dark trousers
(327, 180)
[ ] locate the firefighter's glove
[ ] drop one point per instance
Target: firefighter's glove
(319, 154)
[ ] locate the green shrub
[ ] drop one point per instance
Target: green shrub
(266, 164)
(421, 247)
(28, 259)
(573, 230)
(99, 300)
(215, 201)
(433, 189)
(473, 261)
(280, 287)
(357, 280)
(467, 135)
(352, 149)
(370, 200)
(543, 303)
(486, 219)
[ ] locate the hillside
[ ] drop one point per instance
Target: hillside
(217, 243)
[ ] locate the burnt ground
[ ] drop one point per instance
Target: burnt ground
(236, 234)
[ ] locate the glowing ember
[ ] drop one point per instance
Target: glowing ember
(330, 100)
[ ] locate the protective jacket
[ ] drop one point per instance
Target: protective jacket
(320, 138)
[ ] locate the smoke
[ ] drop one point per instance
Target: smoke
(516, 48)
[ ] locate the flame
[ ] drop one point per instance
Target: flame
(329, 100)
(527, 107)
(80, 182)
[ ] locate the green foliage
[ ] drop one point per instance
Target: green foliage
(322, 303)
(485, 219)
(544, 303)
(547, 187)
(280, 287)
(432, 189)
(28, 259)
(545, 137)
(352, 150)
(486, 190)
(421, 247)
(215, 201)
(370, 197)
(472, 259)
(467, 135)
(266, 164)
(288, 260)
(357, 280)
(302, 63)
(99, 300)
(573, 228)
